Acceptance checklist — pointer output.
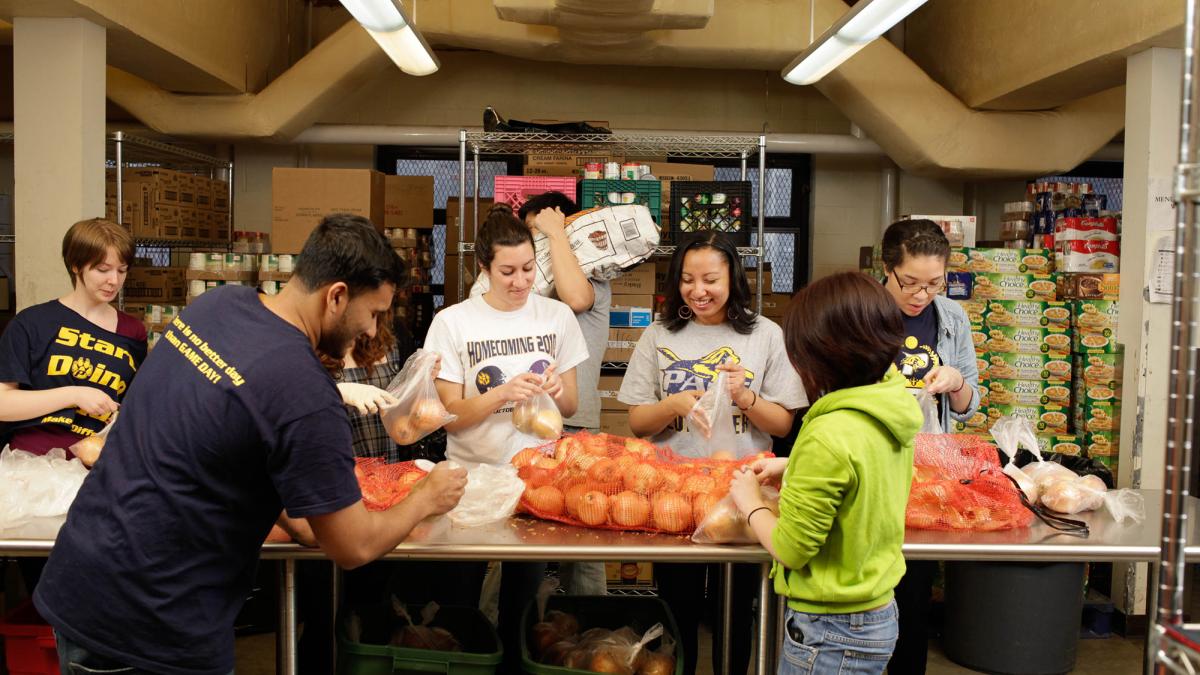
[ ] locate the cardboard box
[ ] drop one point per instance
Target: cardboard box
(300, 198)
(1055, 370)
(610, 386)
(979, 423)
(1066, 444)
(1028, 392)
(1081, 286)
(1002, 260)
(669, 171)
(994, 286)
(965, 223)
(226, 275)
(155, 285)
(1049, 419)
(451, 277)
(639, 280)
(164, 184)
(220, 196)
(629, 573)
(662, 269)
(1102, 416)
(5, 294)
(768, 281)
(621, 342)
(1016, 340)
(631, 311)
(1105, 370)
(541, 164)
(1102, 443)
(1027, 314)
(408, 202)
(615, 422)
(452, 221)
(774, 305)
(1095, 324)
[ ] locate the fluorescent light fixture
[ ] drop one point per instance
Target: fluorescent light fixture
(387, 23)
(865, 22)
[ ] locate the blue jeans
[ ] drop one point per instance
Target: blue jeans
(858, 644)
(76, 660)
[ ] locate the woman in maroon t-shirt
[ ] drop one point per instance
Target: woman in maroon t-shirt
(66, 364)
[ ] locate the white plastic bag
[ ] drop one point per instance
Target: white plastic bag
(491, 495)
(36, 491)
(711, 418)
(929, 408)
(418, 411)
(88, 448)
(539, 417)
(1011, 433)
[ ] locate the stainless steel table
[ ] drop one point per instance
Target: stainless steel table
(524, 539)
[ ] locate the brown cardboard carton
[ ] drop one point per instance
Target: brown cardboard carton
(220, 196)
(639, 280)
(669, 171)
(610, 386)
(300, 198)
(621, 342)
(155, 285)
(164, 184)
(452, 221)
(564, 165)
(408, 202)
(774, 305)
(451, 280)
(615, 422)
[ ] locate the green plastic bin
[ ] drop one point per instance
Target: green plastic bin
(601, 611)
(481, 653)
(648, 193)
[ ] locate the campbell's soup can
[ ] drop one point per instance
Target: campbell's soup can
(592, 170)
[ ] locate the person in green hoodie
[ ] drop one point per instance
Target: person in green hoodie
(837, 539)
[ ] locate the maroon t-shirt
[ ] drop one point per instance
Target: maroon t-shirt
(50, 345)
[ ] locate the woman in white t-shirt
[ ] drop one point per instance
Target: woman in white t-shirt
(497, 349)
(708, 326)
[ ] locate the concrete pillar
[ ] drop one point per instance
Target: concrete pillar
(1151, 152)
(58, 122)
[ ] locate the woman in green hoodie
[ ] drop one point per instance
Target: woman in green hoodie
(837, 539)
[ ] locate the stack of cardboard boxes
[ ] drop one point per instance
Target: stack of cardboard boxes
(159, 203)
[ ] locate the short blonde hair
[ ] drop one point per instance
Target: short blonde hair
(87, 242)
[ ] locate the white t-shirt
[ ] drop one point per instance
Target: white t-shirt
(666, 363)
(483, 347)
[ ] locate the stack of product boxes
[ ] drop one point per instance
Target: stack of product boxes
(415, 300)
(1022, 335)
(1097, 362)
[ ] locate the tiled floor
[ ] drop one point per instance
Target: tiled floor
(1114, 656)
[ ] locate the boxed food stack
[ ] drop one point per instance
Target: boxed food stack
(415, 301)
(1098, 367)
(1052, 201)
(158, 203)
(1087, 245)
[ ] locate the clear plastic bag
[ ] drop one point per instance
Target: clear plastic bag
(1010, 434)
(36, 491)
(418, 411)
(88, 448)
(491, 495)
(1126, 504)
(724, 524)
(711, 418)
(539, 417)
(929, 409)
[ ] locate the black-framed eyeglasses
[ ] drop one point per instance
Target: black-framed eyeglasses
(913, 289)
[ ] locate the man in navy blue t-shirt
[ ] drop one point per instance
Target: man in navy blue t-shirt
(231, 420)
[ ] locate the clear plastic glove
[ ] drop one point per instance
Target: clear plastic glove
(364, 398)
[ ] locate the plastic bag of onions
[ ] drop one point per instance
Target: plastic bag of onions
(418, 411)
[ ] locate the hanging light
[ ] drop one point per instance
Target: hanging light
(387, 23)
(863, 23)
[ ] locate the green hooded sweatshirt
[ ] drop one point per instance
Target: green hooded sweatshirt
(841, 520)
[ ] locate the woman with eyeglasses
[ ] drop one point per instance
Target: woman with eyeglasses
(937, 356)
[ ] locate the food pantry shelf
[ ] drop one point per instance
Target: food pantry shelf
(629, 145)
(659, 251)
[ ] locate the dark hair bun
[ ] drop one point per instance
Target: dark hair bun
(500, 208)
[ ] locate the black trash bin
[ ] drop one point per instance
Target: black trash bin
(1013, 617)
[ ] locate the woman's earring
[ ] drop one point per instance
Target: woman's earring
(685, 312)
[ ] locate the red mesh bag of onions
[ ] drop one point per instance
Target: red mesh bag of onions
(958, 485)
(384, 485)
(613, 482)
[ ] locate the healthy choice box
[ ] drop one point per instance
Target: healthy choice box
(1095, 323)
(1027, 393)
(979, 423)
(1017, 340)
(1046, 419)
(1002, 260)
(1102, 443)
(1100, 369)
(1027, 314)
(1063, 444)
(1052, 369)
(995, 286)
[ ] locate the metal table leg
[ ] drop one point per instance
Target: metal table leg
(765, 661)
(726, 614)
(285, 637)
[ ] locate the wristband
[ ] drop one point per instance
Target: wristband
(960, 387)
(754, 511)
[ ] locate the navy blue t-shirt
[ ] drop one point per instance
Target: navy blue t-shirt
(231, 419)
(919, 354)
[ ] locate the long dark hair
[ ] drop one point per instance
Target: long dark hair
(737, 308)
(842, 331)
(910, 238)
(500, 228)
